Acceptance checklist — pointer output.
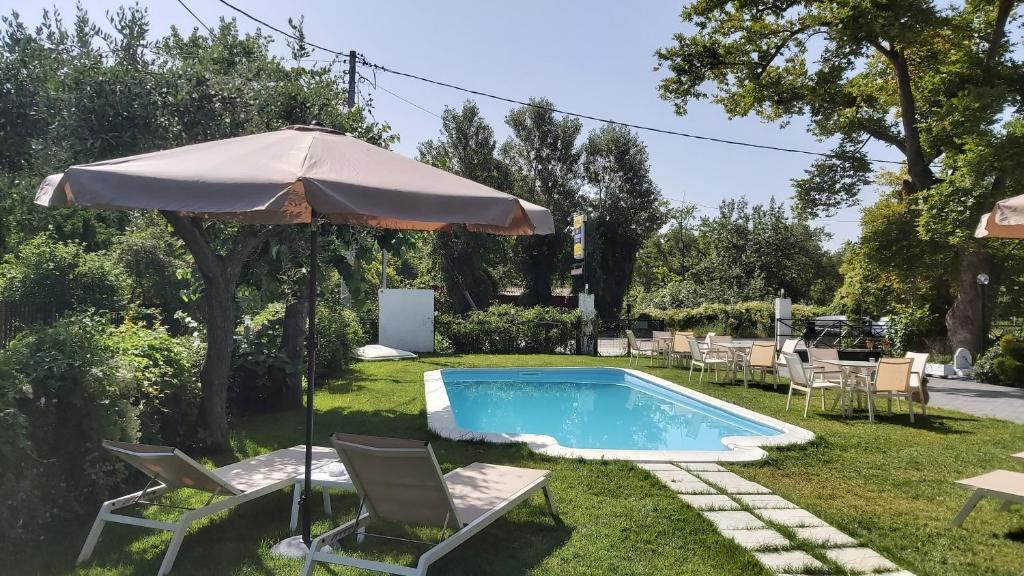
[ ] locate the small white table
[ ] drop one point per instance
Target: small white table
(847, 368)
(734, 349)
(331, 476)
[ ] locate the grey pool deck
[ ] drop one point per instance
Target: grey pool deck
(752, 516)
(978, 399)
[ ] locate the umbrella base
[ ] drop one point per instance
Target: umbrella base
(292, 547)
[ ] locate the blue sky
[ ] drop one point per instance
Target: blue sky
(590, 56)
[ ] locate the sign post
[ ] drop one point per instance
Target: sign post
(579, 249)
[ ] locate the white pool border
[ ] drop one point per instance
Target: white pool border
(441, 421)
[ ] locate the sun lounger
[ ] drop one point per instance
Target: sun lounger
(1002, 484)
(169, 469)
(400, 481)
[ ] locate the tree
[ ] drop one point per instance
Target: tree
(545, 166)
(932, 83)
(113, 93)
(466, 147)
(625, 208)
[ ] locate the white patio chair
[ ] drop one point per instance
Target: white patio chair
(704, 359)
(789, 346)
(920, 359)
(400, 481)
(892, 378)
(170, 469)
(638, 348)
(762, 359)
(681, 346)
(662, 344)
(800, 380)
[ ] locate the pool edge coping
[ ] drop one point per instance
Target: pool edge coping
(441, 421)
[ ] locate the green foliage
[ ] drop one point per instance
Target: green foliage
(70, 392)
(165, 372)
(257, 356)
(508, 329)
(741, 319)
(156, 261)
(339, 333)
(1003, 363)
(46, 270)
(908, 328)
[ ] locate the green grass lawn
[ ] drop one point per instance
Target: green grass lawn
(890, 485)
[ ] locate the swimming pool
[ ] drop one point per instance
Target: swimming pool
(598, 413)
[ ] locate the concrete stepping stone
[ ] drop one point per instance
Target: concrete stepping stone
(732, 483)
(791, 517)
(710, 501)
(763, 501)
(757, 539)
(824, 536)
(860, 559)
(657, 466)
(701, 466)
(788, 561)
(896, 573)
(738, 520)
(683, 482)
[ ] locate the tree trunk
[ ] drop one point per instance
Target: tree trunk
(219, 301)
(964, 320)
(293, 335)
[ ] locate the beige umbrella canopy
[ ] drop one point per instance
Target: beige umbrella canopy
(1006, 220)
(281, 177)
(284, 177)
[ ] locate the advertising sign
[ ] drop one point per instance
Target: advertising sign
(578, 225)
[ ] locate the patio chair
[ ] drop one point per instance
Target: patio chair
(789, 346)
(892, 378)
(170, 469)
(762, 358)
(917, 382)
(705, 359)
(638, 348)
(824, 371)
(681, 345)
(1002, 484)
(400, 481)
(800, 380)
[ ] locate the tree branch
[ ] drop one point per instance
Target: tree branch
(775, 52)
(191, 232)
(250, 240)
(1003, 10)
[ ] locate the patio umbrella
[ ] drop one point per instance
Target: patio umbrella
(1006, 220)
(294, 176)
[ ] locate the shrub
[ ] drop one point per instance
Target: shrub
(339, 333)
(742, 319)
(44, 269)
(166, 374)
(257, 355)
(509, 329)
(70, 392)
(1002, 364)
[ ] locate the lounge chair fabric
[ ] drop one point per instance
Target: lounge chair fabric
(1002, 484)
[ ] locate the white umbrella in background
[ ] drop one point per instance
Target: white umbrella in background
(295, 176)
(1006, 220)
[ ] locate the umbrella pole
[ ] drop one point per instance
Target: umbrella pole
(311, 343)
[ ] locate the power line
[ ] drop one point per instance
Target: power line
(365, 62)
(377, 86)
(343, 55)
(194, 15)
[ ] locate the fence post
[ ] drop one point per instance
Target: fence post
(783, 311)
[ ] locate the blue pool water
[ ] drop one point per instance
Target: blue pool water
(602, 408)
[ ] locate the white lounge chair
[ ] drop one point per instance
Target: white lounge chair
(170, 469)
(1002, 484)
(400, 481)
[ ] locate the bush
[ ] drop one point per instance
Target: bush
(742, 319)
(339, 333)
(509, 329)
(257, 356)
(1002, 364)
(66, 388)
(44, 269)
(70, 393)
(166, 375)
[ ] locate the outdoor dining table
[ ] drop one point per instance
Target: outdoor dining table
(847, 369)
(736, 350)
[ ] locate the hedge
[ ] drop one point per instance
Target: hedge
(509, 329)
(750, 319)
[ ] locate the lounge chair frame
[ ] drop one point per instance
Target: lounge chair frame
(436, 551)
(987, 485)
(223, 496)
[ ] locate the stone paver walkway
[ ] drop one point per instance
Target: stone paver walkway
(986, 400)
(752, 516)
